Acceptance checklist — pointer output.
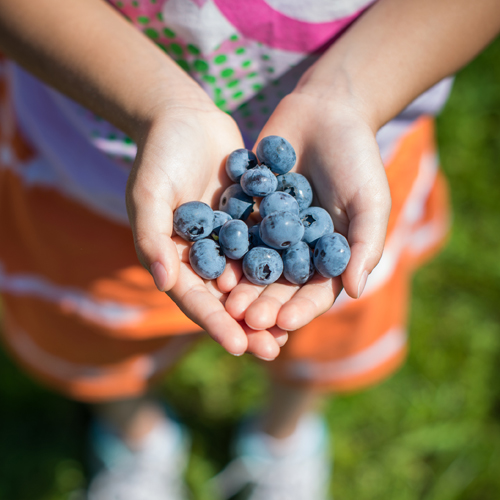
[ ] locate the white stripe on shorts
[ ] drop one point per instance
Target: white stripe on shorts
(104, 312)
(144, 367)
(382, 350)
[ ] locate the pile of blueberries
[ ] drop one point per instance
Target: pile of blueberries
(292, 238)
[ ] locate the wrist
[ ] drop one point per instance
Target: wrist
(167, 97)
(337, 95)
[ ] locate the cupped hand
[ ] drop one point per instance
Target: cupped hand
(337, 152)
(180, 158)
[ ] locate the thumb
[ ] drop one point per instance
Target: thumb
(150, 206)
(366, 235)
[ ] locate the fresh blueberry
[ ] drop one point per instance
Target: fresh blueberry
(280, 230)
(278, 202)
(193, 220)
(331, 255)
(262, 266)
(258, 181)
(254, 236)
(297, 186)
(206, 259)
(236, 203)
(298, 266)
(238, 162)
(233, 239)
(317, 222)
(219, 220)
(277, 153)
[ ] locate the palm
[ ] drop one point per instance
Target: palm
(338, 153)
(180, 160)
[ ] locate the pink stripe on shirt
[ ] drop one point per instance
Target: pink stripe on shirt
(257, 20)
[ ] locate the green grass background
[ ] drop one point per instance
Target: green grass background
(431, 432)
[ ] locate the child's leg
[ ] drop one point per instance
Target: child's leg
(287, 406)
(132, 419)
(137, 451)
(284, 453)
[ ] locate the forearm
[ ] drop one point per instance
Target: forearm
(397, 50)
(88, 51)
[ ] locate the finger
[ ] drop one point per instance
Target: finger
(263, 311)
(262, 343)
(312, 300)
(280, 336)
(201, 302)
(231, 276)
(151, 220)
(241, 297)
(366, 236)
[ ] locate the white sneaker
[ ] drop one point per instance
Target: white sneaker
(153, 472)
(295, 468)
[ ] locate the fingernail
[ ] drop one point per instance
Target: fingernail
(159, 275)
(281, 341)
(253, 327)
(362, 283)
(237, 355)
(264, 359)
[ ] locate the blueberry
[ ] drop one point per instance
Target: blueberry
(259, 181)
(206, 259)
(236, 203)
(298, 266)
(238, 162)
(317, 222)
(254, 236)
(233, 239)
(297, 186)
(277, 153)
(219, 220)
(193, 220)
(331, 255)
(262, 266)
(280, 230)
(278, 202)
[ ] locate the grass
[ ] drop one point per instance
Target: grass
(431, 432)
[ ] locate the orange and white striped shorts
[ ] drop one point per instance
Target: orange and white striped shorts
(83, 317)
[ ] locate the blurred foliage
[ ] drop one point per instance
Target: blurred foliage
(431, 432)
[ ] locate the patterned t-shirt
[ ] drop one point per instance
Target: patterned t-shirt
(246, 54)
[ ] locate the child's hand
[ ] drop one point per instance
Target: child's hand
(337, 152)
(180, 158)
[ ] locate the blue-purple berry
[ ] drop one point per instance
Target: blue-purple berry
(233, 239)
(220, 218)
(298, 267)
(236, 203)
(278, 202)
(254, 236)
(238, 162)
(262, 266)
(276, 153)
(297, 186)
(280, 230)
(258, 181)
(317, 222)
(193, 220)
(331, 255)
(206, 259)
